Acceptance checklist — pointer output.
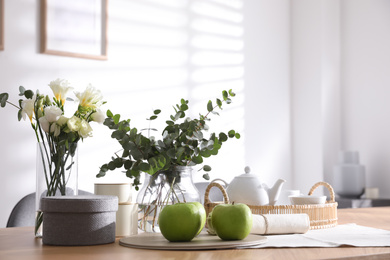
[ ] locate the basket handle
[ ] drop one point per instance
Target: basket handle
(327, 185)
(214, 183)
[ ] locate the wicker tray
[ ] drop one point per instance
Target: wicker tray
(321, 215)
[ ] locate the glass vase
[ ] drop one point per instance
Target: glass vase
(164, 188)
(56, 175)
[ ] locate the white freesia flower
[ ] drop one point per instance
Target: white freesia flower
(60, 88)
(74, 124)
(52, 113)
(28, 108)
(45, 125)
(91, 97)
(85, 129)
(98, 116)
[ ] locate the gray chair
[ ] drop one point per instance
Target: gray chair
(23, 214)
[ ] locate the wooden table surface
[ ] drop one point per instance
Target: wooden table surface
(19, 243)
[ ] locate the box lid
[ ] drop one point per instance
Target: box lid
(83, 203)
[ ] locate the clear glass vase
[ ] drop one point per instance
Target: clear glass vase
(164, 188)
(56, 175)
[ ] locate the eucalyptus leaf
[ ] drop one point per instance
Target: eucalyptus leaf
(21, 90)
(206, 168)
(3, 99)
(29, 94)
(209, 106)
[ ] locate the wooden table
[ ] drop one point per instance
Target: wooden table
(19, 243)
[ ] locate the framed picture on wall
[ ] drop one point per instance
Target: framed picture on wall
(74, 28)
(1, 24)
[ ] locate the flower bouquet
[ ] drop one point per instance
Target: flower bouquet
(58, 133)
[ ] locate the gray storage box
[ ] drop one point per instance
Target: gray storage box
(79, 220)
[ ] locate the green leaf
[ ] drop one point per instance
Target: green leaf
(20, 114)
(3, 99)
(152, 117)
(171, 153)
(102, 171)
(128, 164)
(223, 137)
(219, 103)
(29, 94)
(157, 111)
(209, 106)
(144, 167)
(238, 135)
(179, 152)
(184, 107)
(225, 95)
(206, 168)
(231, 133)
(197, 159)
(130, 146)
(21, 90)
(169, 122)
(231, 93)
(109, 113)
(179, 114)
(206, 176)
(116, 118)
(118, 134)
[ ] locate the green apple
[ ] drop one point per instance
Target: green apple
(180, 222)
(202, 212)
(210, 228)
(232, 221)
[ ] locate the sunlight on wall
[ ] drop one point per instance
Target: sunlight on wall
(175, 49)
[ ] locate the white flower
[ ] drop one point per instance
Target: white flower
(52, 113)
(62, 121)
(91, 97)
(55, 129)
(28, 108)
(85, 129)
(74, 124)
(45, 125)
(98, 116)
(60, 88)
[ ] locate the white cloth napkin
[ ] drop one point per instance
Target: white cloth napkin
(268, 224)
(348, 234)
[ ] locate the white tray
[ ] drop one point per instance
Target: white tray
(201, 242)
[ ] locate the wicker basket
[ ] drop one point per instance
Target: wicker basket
(321, 215)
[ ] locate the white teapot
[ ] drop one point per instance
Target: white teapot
(248, 189)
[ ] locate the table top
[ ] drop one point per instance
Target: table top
(19, 243)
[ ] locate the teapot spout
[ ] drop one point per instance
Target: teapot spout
(274, 192)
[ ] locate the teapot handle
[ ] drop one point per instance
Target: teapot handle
(214, 183)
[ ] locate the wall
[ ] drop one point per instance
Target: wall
(159, 52)
(365, 87)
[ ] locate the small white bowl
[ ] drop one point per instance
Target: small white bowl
(307, 199)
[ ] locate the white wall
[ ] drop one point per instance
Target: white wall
(267, 92)
(340, 73)
(159, 52)
(365, 86)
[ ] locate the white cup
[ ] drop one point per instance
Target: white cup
(121, 190)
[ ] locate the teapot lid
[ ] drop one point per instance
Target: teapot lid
(247, 173)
